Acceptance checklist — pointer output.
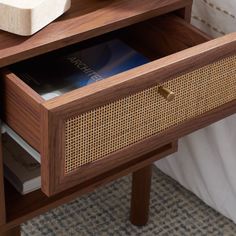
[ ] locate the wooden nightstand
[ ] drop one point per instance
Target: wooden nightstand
(142, 126)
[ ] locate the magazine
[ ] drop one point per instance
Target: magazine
(54, 76)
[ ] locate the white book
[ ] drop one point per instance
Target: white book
(20, 169)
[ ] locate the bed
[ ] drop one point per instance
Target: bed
(206, 160)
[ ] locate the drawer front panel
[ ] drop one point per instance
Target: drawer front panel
(96, 134)
(97, 129)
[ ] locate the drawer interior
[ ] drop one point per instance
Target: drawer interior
(151, 40)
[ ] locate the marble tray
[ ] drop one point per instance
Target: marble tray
(26, 17)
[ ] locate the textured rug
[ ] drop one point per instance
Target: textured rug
(174, 211)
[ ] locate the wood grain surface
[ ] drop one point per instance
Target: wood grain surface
(141, 188)
(2, 192)
(12, 232)
(166, 35)
(21, 108)
(85, 19)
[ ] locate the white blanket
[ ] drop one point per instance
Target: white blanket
(206, 160)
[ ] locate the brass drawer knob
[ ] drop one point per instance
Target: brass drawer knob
(166, 93)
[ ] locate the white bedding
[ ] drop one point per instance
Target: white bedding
(206, 160)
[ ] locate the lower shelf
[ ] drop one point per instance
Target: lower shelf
(20, 208)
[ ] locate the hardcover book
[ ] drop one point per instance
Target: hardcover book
(51, 77)
(20, 169)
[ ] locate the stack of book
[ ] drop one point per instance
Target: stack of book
(20, 169)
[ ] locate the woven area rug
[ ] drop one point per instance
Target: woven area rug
(173, 211)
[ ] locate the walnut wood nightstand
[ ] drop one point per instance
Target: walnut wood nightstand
(131, 112)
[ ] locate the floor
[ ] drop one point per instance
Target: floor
(174, 211)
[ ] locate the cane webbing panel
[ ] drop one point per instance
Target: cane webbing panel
(97, 133)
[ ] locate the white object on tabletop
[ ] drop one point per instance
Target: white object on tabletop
(26, 17)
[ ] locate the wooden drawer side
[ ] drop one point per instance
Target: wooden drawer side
(21, 108)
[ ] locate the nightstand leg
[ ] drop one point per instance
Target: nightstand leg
(141, 187)
(12, 232)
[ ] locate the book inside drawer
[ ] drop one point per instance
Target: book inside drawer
(56, 74)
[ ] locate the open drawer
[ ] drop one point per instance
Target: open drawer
(93, 129)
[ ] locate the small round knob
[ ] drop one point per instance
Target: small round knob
(166, 93)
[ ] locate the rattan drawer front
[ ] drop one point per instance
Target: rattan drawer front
(96, 134)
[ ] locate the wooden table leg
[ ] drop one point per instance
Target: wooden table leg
(141, 187)
(12, 232)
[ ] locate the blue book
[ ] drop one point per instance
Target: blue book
(56, 76)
